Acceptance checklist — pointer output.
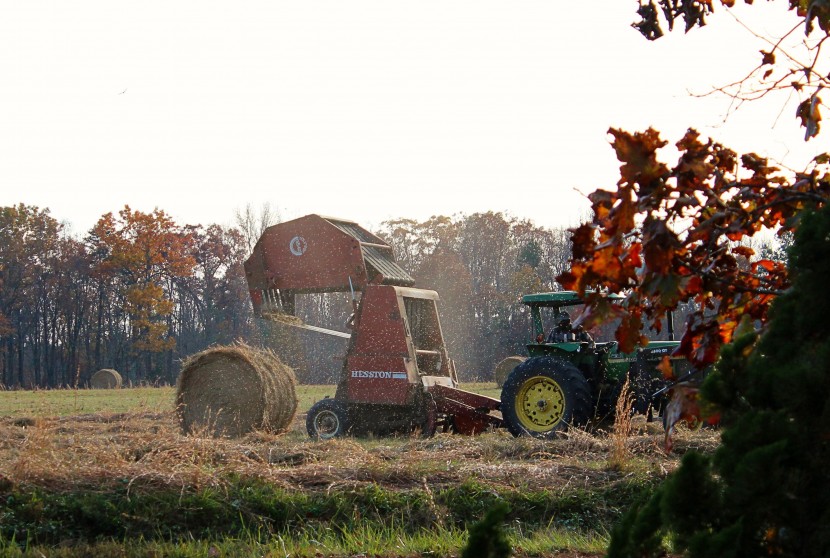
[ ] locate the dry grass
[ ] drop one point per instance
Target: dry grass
(562, 489)
(146, 449)
(622, 428)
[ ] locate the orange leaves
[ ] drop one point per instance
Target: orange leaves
(660, 246)
(810, 116)
(638, 153)
(767, 265)
(143, 246)
(744, 251)
(583, 240)
(665, 368)
(608, 265)
(696, 163)
(688, 248)
(632, 257)
(602, 201)
(694, 285)
(145, 251)
(683, 406)
(629, 334)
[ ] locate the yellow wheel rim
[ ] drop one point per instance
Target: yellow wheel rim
(540, 404)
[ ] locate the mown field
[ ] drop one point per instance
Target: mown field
(108, 473)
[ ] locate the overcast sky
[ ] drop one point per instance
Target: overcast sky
(364, 110)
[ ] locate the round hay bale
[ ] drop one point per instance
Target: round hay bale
(505, 367)
(106, 378)
(232, 390)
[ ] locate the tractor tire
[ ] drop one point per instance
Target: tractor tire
(544, 396)
(505, 367)
(327, 419)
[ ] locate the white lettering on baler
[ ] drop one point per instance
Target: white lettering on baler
(378, 375)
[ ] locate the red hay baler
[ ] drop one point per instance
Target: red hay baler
(397, 376)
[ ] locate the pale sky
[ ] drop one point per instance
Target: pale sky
(364, 110)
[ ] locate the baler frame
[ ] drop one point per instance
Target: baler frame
(397, 375)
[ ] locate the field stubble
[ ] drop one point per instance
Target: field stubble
(444, 482)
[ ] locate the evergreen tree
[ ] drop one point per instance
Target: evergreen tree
(766, 490)
(487, 537)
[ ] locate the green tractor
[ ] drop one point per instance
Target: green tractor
(568, 379)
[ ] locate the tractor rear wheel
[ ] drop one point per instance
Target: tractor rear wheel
(328, 418)
(543, 396)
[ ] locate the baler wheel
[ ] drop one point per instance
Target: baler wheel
(429, 421)
(327, 419)
(544, 396)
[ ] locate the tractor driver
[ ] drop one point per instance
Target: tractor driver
(562, 331)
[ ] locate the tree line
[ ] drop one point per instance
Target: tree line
(140, 292)
(136, 294)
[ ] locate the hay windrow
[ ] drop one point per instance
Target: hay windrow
(106, 378)
(282, 318)
(75, 453)
(232, 390)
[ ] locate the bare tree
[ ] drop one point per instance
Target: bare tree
(788, 63)
(252, 223)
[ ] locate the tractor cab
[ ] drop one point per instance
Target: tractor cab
(556, 324)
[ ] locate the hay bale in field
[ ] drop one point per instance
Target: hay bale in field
(232, 390)
(505, 367)
(106, 378)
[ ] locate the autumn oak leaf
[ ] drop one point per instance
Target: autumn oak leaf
(666, 369)
(810, 116)
(583, 239)
(638, 153)
(660, 244)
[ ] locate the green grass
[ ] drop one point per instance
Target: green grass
(68, 402)
(252, 516)
(132, 486)
(314, 543)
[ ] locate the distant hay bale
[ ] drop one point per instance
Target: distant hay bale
(505, 367)
(232, 390)
(106, 378)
